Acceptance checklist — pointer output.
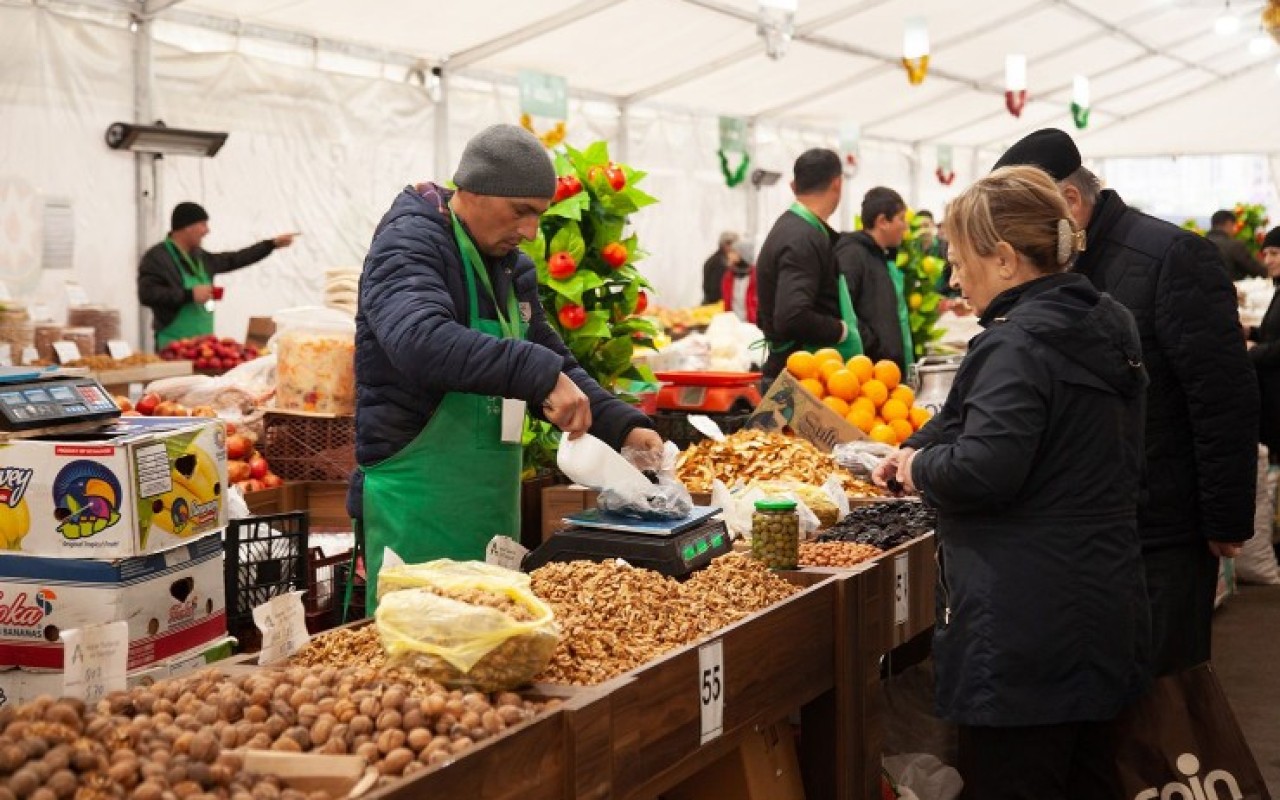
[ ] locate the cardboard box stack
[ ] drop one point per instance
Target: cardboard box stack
(124, 523)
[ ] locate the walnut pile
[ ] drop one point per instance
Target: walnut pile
(613, 617)
(836, 554)
(182, 738)
(749, 455)
(344, 647)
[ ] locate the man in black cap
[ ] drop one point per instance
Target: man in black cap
(451, 347)
(175, 277)
(1202, 399)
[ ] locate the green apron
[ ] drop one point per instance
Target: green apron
(904, 322)
(193, 318)
(456, 485)
(852, 344)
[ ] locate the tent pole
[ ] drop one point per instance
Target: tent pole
(624, 132)
(146, 165)
(441, 160)
(752, 228)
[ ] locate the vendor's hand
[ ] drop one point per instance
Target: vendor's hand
(284, 239)
(643, 439)
(1224, 549)
(891, 468)
(568, 408)
(202, 293)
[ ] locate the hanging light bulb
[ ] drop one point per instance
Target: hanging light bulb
(1015, 83)
(915, 49)
(1228, 24)
(776, 24)
(1261, 45)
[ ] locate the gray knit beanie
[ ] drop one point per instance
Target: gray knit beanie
(506, 161)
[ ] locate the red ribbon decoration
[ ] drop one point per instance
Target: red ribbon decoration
(1015, 101)
(945, 178)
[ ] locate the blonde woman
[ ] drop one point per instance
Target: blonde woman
(1034, 466)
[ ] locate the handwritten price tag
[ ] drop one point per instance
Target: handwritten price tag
(94, 660)
(503, 551)
(66, 352)
(711, 689)
(119, 349)
(283, 623)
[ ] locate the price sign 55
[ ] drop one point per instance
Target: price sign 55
(711, 689)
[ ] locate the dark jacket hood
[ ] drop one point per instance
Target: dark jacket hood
(864, 239)
(1067, 313)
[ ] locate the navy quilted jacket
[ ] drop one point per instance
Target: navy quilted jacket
(414, 344)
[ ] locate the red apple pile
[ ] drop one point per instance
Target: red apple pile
(153, 405)
(247, 470)
(209, 353)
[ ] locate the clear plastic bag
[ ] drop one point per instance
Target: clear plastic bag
(861, 457)
(315, 368)
(465, 624)
(665, 497)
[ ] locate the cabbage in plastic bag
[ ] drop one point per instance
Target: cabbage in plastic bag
(468, 625)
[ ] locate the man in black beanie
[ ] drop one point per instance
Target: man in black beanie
(175, 277)
(1202, 399)
(451, 347)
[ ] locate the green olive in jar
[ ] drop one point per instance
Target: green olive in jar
(775, 534)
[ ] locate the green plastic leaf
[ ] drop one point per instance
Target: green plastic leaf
(570, 288)
(930, 303)
(570, 207)
(569, 239)
(596, 326)
(597, 153)
(537, 250)
(607, 231)
(638, 197)
(616, 354)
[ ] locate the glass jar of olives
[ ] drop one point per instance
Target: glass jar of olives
(775, 534)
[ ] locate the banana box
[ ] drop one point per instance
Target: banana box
(140, 486)
(173, 601)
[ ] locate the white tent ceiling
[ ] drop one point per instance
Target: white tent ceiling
(1163, 82)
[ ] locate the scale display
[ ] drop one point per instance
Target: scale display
(53, 402)
(684, 548)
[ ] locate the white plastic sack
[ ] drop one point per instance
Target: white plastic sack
(1257, 560)
(925, 776)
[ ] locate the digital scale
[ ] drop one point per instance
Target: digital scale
(35, 402)
(709, 392)
(675, 548)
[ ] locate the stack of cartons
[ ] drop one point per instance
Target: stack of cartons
(124, 523)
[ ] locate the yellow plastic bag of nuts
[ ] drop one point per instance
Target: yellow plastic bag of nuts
(467, 624)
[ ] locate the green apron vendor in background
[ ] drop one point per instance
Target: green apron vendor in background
(452, 347)
(175, 277)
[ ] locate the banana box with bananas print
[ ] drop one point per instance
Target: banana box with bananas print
(139, 486)
(173, 601)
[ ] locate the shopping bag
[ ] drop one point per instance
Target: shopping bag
(1182, 742)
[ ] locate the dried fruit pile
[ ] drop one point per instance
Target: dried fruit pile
(885, 525)
(836, 554)
(613, 617)
(749, 455)
(178, 738)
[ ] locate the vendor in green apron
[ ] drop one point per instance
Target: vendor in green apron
(452, 347)
(175, 277)
(802, 301)
(868, 262)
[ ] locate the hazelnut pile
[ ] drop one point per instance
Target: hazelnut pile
(613, 617)
(836, 554)
(183, 739)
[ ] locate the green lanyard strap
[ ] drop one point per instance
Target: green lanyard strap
(475, 265)
(809, 217)
(185, 263)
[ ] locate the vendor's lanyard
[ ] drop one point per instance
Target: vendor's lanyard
(809, 217)
(471, 256)
(185, 262)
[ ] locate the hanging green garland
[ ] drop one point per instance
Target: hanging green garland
(1080, 116)
(738, 175)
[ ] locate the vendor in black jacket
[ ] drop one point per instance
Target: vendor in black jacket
(175, 277)
(1202, 400)
(867, 259)
(797, 279)
(1034, 465)
(451, 347)
(1264, 350)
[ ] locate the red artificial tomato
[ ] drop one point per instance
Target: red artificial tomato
(561, 265)
(573, 316)
(616, 177)
(642, 302)
(566, 186)
(615, 254)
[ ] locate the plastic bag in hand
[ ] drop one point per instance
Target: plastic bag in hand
(665, 498)
(862, 457)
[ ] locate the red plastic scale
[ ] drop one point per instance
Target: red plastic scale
(709, 392)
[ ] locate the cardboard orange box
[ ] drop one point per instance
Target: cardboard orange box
(790, 408)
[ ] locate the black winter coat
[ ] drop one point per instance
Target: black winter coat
(1237, 259)
(1265, 355)
(1202, 399)
(865, 266)
(414, 344)
(1034, 465)
(160, 278)
(798, 284)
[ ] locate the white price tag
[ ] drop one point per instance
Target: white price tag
(94, 661)
(30, 355)
(66, 352)
(711, 689)
(119, 349)
(6, 354)
(76, 295)
(283, 623)
(901, 589)
(503, 551)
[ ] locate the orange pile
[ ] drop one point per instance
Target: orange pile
(869, 395)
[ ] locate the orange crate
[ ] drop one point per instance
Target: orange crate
(307, 448)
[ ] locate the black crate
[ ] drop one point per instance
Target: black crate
(674, 426)
(327, 592)
(266, 557)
